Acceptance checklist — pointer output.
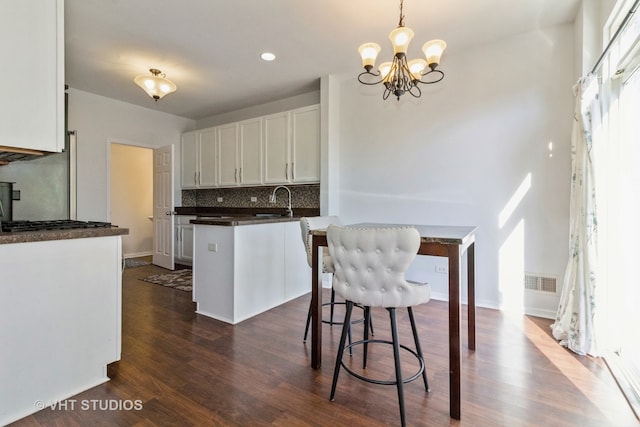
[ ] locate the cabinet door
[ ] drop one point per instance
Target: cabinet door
(305, 144)
(250, 152)
(227, 150)
(207, 165)
(276, 148)
(32, 102)
(186, 243)
(189, 159)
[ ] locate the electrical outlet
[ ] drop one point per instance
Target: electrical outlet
(213, 247)
(254, 199)
(220, 199)
(441, 269)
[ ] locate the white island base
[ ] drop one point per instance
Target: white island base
(240, 271)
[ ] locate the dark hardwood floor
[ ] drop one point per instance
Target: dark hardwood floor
(186, 369)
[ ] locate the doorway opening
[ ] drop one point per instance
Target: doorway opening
(131, 197)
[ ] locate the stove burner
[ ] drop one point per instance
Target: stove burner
(62, 224)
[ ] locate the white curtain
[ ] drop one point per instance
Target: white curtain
(574, 322)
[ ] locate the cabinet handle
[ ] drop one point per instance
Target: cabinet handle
(199, 178)
(293, 175)
(195, 178)
(240, 174)
(235, 176)
(286, 171)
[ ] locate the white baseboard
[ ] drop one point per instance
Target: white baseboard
(530, 311)
(137, 254)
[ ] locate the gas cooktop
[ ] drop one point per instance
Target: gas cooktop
(61, 224)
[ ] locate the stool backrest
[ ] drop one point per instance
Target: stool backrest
(370, 265)
(315, 223)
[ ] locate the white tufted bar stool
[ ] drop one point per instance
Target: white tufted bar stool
(307, 224)
(369, 269)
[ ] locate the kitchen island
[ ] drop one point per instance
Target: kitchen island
(245, 265)
(60, 314)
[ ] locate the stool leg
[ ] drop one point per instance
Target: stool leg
(333, 301)
(349, 334)
(418, 349)
(396, 358)
(346, 326)
(306, 328)
(367, 322)
(371, 325)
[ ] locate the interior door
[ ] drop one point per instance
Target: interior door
(163, 203)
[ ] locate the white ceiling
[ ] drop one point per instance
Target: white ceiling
(210, 48)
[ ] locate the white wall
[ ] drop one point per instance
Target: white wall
(132, 197)
(459, 154)
(96, 120)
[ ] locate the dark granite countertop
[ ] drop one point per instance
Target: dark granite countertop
(75, 233)
(232, 221)
(242, 212)
(243, 216)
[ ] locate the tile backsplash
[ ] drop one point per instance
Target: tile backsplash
(302, 196)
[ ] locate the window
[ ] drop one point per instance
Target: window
(618, 178)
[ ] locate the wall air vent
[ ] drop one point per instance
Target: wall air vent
(537, 282)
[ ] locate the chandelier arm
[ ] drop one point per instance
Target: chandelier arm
(418, 95)
(386, 93)
(434, 81)
(370, 74)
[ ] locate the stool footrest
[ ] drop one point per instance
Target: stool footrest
(383, 382)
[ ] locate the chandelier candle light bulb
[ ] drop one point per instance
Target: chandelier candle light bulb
(400, 76)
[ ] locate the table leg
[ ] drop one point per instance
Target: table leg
(471, 296)
(316, 308)
(454, 331)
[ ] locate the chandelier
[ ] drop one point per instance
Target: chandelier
(156, 85)
(400, 76)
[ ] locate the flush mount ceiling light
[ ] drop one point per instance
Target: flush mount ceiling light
(401, 76)
(155, 85)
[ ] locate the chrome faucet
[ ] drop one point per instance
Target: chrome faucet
(272, 199)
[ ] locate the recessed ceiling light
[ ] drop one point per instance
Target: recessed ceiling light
(268, 56)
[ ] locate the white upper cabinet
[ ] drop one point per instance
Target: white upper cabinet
(189, 159)
(276, 148)
(240, 153)
(282, 148)
(198, 159)
(292, 146)
(32, 102)
(228, 155)
(305, 144)
(207, 160)
(250, 152)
